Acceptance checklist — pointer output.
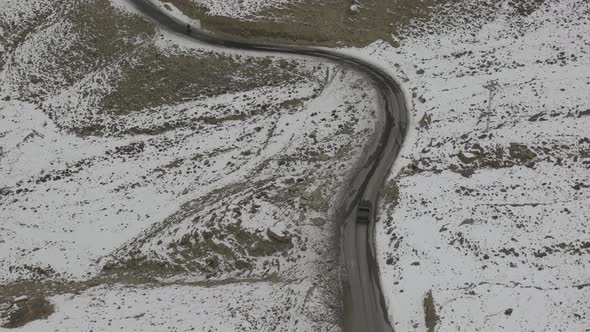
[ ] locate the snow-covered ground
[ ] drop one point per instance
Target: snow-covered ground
(232, 307)
(493, 222)
(228, 198)
(491, 217)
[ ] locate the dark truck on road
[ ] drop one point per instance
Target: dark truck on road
(363, 214)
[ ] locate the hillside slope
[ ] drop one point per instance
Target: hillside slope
(137, 164)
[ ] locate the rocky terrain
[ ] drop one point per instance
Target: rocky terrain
(194, 187)
(138, 164)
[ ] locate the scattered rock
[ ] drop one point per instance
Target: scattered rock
(185, 240)
(318, 221)
(468, 157)
(313, 200)
(467, 173)
(21, 299)
(537, 117)
(508, 312)
(425, 121)
(212, 262)
(468, 221)
(282, 238)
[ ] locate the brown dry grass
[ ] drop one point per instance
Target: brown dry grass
(326, 22)
(28, 311)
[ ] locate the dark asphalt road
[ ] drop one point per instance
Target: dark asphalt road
(364, 305)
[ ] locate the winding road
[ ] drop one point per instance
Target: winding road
(364, 306)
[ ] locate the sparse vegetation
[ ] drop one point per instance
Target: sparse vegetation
(521, 152)
(13, 30)
(101, 35)
(220, 249)
(106, 32)
(476, 157)
(28, 310)
(327, 23)
(392, 192)
(425, 121)
(110, 49)
(430, 315)
(161, 79)
(35, 306)
(114, 48)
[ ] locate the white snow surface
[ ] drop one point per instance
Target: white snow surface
(104, 198)
(70, 204)
(505, 248)
(500, 248)
(243, 9)
(234, 307)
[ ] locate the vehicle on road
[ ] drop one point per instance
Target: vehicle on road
(361, 269)
(363, 214)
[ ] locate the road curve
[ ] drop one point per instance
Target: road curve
(364, 306)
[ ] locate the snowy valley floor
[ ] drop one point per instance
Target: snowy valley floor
(215, 213)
